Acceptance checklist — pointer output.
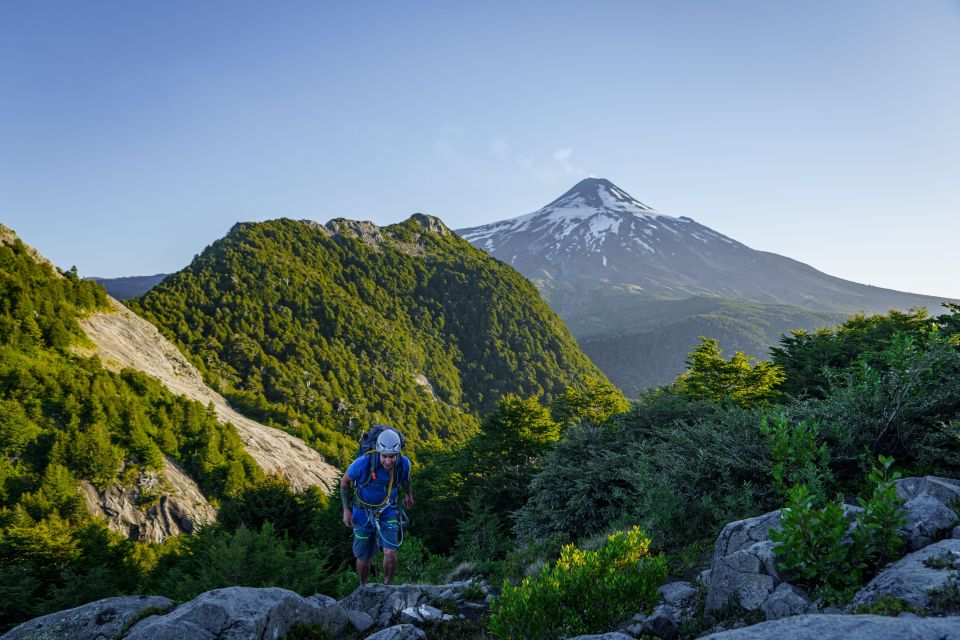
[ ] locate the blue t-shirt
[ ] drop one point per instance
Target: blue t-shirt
(374, 488)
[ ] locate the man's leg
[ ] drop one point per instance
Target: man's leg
(389, 565)
(364, 544)
(363, 570)
(389, 533)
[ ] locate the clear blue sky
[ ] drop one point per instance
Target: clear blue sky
(133, 134)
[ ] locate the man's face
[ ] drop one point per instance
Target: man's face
(387, 460)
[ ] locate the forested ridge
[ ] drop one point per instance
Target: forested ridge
(322, 330)
(65, 418)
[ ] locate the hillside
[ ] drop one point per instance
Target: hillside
(324, 329)
(630, 280)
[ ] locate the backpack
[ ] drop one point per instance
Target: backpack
(368, 441)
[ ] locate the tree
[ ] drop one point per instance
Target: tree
(595, 403)
(742, 380)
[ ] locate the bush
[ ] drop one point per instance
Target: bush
(816, 544)
(213, 558)
(797, 457)
(584, 592)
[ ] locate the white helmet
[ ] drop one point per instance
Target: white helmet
(388, 442)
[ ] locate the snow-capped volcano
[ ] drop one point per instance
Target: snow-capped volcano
(596, 234)
(637, 287)
(595, 227)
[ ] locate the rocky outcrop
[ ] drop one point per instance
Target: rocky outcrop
(177, 506)
(234, 613)
(124, 340)
(927, 508)
(744, 569)
(911, 578)
(99, 620)
(847, 627)
(238, 613)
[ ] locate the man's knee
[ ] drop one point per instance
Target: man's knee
(389, 555)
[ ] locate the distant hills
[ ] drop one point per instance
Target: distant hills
(637, 287)
(129, 286)
(324, 329)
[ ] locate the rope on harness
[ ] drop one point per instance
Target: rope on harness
(402, 520)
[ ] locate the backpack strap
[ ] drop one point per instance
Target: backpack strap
(371, 467)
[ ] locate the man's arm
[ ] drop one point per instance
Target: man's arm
(346, 484)
(407, 489)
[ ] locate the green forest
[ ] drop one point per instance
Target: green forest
(540, 484)
(322, 330)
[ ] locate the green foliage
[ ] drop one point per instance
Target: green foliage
(885, 606)
(214, 558)
(595, 403)
(741, 380)
(798, 459)
(323, 330)
(815, 541)
(890, 403)
(294, 515)
(808, 358)
(584, 592)
(494, 468)
(481, 536)
(680, 469)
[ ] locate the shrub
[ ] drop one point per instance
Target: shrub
(815, 542)
(583, 592)
(797, 457)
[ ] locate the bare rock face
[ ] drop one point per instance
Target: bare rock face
(105, 618)
(124, 340)
(179, 506)
(847, 627)
(911, 578)
(234, 613)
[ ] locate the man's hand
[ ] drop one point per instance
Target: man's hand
(408, 500)
(348, 517)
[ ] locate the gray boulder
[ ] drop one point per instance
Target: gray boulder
(93, 621)
(786, 600)
(420, 613)
(847, 627)
(745, 578)
(233, 613)
(383, 603)
(927, 520)
(664, 622)
(612, 635)
(741, 534)
(399, 632)
(944, 490)
(909, 578)
(677, 592)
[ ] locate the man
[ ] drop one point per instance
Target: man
(374, 516)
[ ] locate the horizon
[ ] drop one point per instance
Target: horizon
(138, 135)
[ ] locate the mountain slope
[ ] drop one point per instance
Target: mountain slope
(326, 328)
(125, 341)
(612, 267)
(68, 421)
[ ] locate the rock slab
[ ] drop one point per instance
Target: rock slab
(93, 621)
(846, 627)
(233, 613)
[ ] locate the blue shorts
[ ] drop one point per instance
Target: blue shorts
(368, 537)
